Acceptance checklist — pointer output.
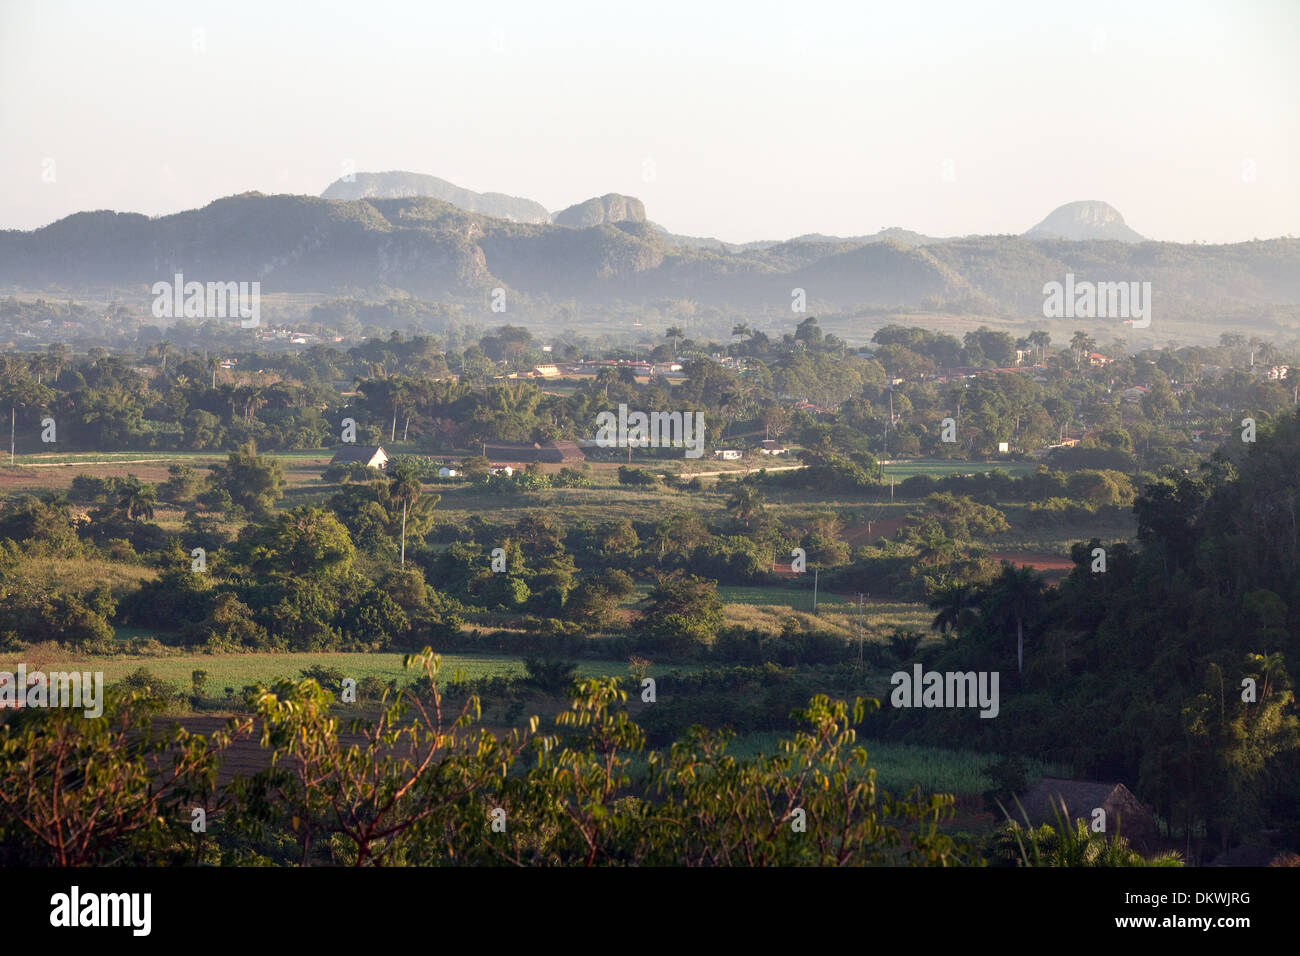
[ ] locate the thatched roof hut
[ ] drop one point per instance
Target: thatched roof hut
(1125, 814)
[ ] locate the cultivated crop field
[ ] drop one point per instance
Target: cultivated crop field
(899, 767)
(239, 670)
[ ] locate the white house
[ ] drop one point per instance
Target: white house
(498, 469)
(770, 447)
(727, 454)
(445, 472)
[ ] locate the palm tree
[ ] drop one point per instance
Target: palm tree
(956, 605)
(746, 502)
(58, 353)
(730, 405)
(742, 329)
(40, 366)
(1082, 344)
(661, 539)
(676, 334)
(383, 392)
(1040, 340)
(392, 390)
(406, 489)
(254, 398)
(137, 499)
(1014, 596)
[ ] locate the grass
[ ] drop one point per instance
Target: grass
(768, 609)
(111, 457)
(93, 457)
(81, 575)
(800, 598)
(899, 767)
(573, 505)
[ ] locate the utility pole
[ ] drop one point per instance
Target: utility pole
(816, 571)
(890, 423)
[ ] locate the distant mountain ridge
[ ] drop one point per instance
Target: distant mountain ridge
(401, 185)
(430, 248)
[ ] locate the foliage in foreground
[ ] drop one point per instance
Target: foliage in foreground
(422, 787)
(1069, 843)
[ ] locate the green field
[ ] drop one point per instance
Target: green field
(90, 458)
(901, 766)
(940, 469)
(238, 670)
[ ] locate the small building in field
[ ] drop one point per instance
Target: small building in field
(727, 454)
(447, 472)
(500, 468)
(770, 447)
(372, 456)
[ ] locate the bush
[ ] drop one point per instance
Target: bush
(635, 476)
(551, 675)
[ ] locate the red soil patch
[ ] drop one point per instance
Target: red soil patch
(60, 476)
(858, 534)
(1036, 560)
(1053, 567)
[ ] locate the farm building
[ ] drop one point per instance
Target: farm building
(770, 447)
(550, 452)
(372, 456)
(727, 454)
(447, 472)
(1125, 814)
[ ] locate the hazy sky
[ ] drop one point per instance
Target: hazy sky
(742, 120)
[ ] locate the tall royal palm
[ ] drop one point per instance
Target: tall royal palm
(676, 334)
(1015, 597)
(406, 489)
